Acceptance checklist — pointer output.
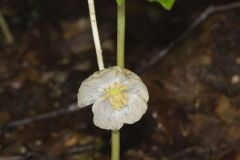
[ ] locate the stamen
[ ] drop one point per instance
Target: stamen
(115, 94)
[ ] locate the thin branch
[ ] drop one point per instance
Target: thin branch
(48, 115)
(81, 149)
(12, 158)
(6, 31)
(187, 151)
(203, 16)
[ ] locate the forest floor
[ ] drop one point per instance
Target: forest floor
(189, 59)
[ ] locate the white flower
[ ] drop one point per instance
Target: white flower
(119, 97)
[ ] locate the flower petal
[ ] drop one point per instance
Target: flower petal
(113, 75)
(133, 82)
(136, 86)
(105, 116)
(87, 95)
(127, 74)
(135, 109)
(92, 88)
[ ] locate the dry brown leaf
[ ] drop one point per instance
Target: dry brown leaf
(224, 110)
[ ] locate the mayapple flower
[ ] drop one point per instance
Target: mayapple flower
(119, 97)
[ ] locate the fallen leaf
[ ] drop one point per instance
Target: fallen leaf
(224, 110)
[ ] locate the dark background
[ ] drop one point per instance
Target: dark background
(194, 87)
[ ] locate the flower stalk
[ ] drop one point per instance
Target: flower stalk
(115, 145)
(120, 63)
(95, 34)
(120, 33)
(6, 31)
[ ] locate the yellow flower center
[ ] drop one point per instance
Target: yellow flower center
(115, 94)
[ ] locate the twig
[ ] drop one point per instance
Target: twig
(5, 30)
(186, 151)
(203, 16)
(81, 149)
(52, 114)
(12, 158)
(29, 155)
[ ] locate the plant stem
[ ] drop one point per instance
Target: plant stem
(120, 62)
(95, 34)
(6, 31)
(115, 145)
(120, 33)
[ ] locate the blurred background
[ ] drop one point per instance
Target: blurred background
(188, 57)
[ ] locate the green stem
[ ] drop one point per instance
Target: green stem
(120, 62)
(120, 33)
(115, 145)
(6, 31)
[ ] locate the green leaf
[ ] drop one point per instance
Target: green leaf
(119, 2)
(167, 4)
